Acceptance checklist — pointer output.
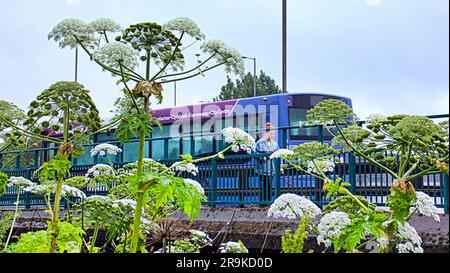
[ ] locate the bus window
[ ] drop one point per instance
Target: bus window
(131, 151)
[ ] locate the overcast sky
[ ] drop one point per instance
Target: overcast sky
(389, 56)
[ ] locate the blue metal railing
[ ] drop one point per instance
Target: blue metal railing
(235, 181)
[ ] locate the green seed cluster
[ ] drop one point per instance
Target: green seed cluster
(153, 39)
(61, 97)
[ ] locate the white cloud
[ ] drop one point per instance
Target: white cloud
(71, 3)
(373, 2)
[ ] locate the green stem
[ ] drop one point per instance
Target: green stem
(55, 218)
(94, 237)
(14, 219)
(358, 152)
(425, 172)
(140, 193)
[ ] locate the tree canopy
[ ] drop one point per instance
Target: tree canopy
(243, 88)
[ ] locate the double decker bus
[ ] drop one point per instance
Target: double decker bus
(196, 129)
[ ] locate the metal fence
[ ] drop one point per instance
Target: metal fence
(236, 180)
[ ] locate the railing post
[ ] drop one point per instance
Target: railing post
(1, 161)
(277, 178)
(27, 194)
(214, 181)
(352, 172)
(446, 190)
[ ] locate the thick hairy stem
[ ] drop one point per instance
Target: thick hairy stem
(94, 236)
(140, 194)
(55, 218)
(14, 219)
(137, 221)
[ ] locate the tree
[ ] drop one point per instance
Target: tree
(243, 88)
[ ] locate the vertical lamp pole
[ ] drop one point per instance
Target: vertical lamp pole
(284, 46)
(254, 73)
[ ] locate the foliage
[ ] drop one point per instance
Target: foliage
(294, 243)
(69, 240)
(3, 182)
(58, 166)
(6, 221)
(243, 88)
(132, 124)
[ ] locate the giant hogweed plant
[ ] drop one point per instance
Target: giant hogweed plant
(405, 147)
(64, 107)
(160, 48)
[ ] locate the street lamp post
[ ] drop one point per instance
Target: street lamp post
(254, 73)
(284, 45)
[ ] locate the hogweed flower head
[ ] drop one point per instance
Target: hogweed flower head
(239, 140)
(196, 185)
(66, 190)
(105, 25)
(185, 25)
(425, 205)
(232, 247)
(410, 241)
(282, 153)
(292, 206)
(99, 169)
(200, 238)
(65, 32)
(224, 54)
(19, 182)
(331, 226)
(104, 149)
(115, 54)
(185, 167)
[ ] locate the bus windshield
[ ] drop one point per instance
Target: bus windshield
(297, 114)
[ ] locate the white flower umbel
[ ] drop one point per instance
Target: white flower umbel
(65, 32)
(114, 53)
(19, 182)
(66, 190)
(185, 25)
(126, 204)
(331, 226)
(196, 185)
(410, 241)
(232, 247)
(224, 54)
(383, 242)
(200, 238)
(326, 166)
(104, 149)
(239, 140)
(425, 205)
(105, 25)
(283, 153)
(292, 206)
(99, 169)
(185, 167)
(99, 198)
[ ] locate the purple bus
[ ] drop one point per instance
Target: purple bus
(196, 129)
